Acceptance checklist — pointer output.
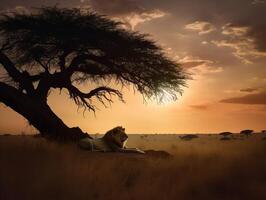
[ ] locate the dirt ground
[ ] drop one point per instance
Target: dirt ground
(202, 168)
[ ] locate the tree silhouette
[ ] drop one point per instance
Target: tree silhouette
(225, 134)
(64, 48)
(246, 132)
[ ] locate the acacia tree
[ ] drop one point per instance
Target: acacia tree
(63, 48)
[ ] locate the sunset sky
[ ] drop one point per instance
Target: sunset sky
(221, 43)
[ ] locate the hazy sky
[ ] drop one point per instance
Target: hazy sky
(223, 45)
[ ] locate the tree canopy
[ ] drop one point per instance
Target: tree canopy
(61, 48)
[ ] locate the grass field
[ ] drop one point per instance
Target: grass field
(203, 168)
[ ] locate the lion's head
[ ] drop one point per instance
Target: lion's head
(116, 137)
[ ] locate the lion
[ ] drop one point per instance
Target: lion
(114, 140)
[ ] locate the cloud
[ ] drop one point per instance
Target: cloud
(126, 11)
(133, 19)
(197, 65)
(231, 30)
(200, 106)
(239, 38)
(116, 7)
(249, 90)
(252, 99)
(191, 62)
(18, 9)
(21, 9)
(202, 27)
(255, 2)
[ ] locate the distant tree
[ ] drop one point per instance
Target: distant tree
(263, 131)
(64, 48)
(225, 134)
(247, 132)
(188, 137)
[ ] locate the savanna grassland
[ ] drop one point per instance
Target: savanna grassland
(201, 168)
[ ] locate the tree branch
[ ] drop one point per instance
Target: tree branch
(62, 60)
(110, 69)
(10, 68)
(80, 64)
(103, 94)
(22, 78)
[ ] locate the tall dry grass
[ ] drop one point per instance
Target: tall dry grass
(204, 168)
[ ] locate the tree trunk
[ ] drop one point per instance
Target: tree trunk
(39, 114)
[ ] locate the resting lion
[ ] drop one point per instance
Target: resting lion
(113, 141)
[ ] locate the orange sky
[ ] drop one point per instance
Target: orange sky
(225, 50)
(196, 111)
